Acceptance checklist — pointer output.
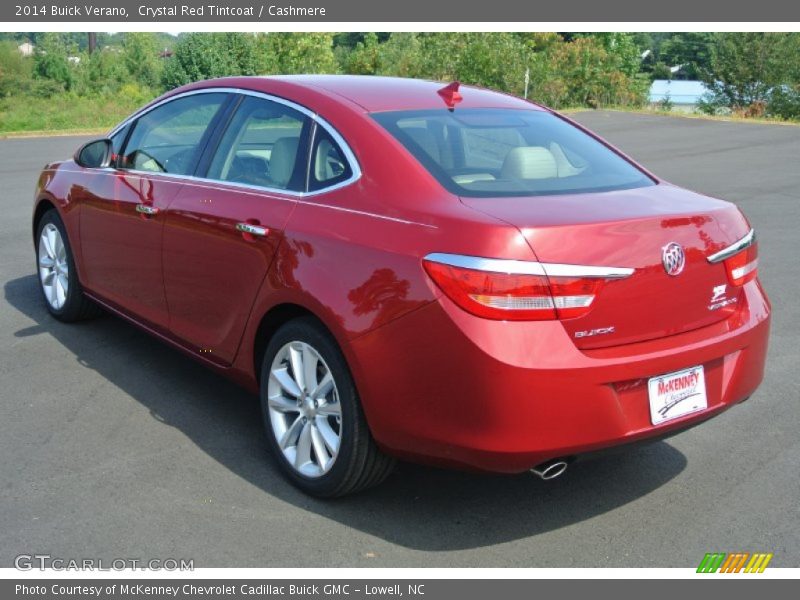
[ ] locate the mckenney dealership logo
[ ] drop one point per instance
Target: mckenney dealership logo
(687, 382)
(735, 562)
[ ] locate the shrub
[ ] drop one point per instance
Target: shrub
(45, 88)
(16, 71)
(710, 104)
(288, 53)
(784, 103)
(584, 73)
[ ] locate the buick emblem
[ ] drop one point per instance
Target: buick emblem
(673, 258)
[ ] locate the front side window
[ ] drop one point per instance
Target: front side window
(262, 146)
(168, 138)
(117, 140)
(502, 152)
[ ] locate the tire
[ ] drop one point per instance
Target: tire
(55, 264)
(303, 425)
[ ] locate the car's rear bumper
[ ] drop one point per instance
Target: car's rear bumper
(446, 387)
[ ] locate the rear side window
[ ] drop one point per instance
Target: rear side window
(262, 146)
(168, 138)
(496, 152)
(328, 164)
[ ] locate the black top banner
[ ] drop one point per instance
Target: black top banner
(453, 11)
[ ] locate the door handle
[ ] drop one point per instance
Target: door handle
(252, 229)
(146, 209)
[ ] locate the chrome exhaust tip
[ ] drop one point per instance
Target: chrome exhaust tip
(550, 469)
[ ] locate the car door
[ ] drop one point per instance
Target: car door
(122, 221)
(221, 233)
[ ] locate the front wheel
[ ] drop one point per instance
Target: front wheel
(313, 416)
(58, 278)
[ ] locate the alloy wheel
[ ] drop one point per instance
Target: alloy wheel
(304, 409)
(53, 266)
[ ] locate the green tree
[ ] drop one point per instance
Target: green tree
(50, 59)
(690, 50)
(242, 52)
(745, 67)
(101, 72)
(364, 59)
(141, 58)
(401, 55)
(441, 53)
(288, 53)
(584, 72)
(494, 60)
(540, 41)
(206, 55)
(488, 59)
(621, 50)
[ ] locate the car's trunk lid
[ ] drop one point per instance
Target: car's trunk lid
(630, 228)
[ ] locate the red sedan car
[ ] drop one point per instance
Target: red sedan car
(401, 269)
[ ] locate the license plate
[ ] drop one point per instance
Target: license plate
(677, 394)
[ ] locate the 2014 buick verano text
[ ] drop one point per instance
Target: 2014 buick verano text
(406, 270)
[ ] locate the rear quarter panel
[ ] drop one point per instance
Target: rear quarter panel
(353, 256)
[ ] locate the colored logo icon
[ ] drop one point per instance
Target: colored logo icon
(735, 562)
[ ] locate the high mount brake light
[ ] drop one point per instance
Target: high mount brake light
(740, 259)
(519, 290)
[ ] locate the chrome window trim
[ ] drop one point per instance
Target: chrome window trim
(734, 248)
(189, 179)
(213, 184)
(524, 267)
(143, 111)
(355, 167)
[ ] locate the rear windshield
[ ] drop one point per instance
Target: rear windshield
(500, 152)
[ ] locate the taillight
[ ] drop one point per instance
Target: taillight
(740, 259)
(518, 290)
(743, 267)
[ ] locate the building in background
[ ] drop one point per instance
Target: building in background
(26, 49)
(683, 95)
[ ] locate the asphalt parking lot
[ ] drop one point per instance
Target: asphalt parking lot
(115, 446)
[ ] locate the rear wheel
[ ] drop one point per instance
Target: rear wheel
(58, 279)
(313, 416)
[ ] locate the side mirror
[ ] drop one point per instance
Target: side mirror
(95, 154)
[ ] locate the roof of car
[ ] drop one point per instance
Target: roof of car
(375, 93)
(378, 94)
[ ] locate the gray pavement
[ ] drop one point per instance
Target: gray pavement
(115, 446)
